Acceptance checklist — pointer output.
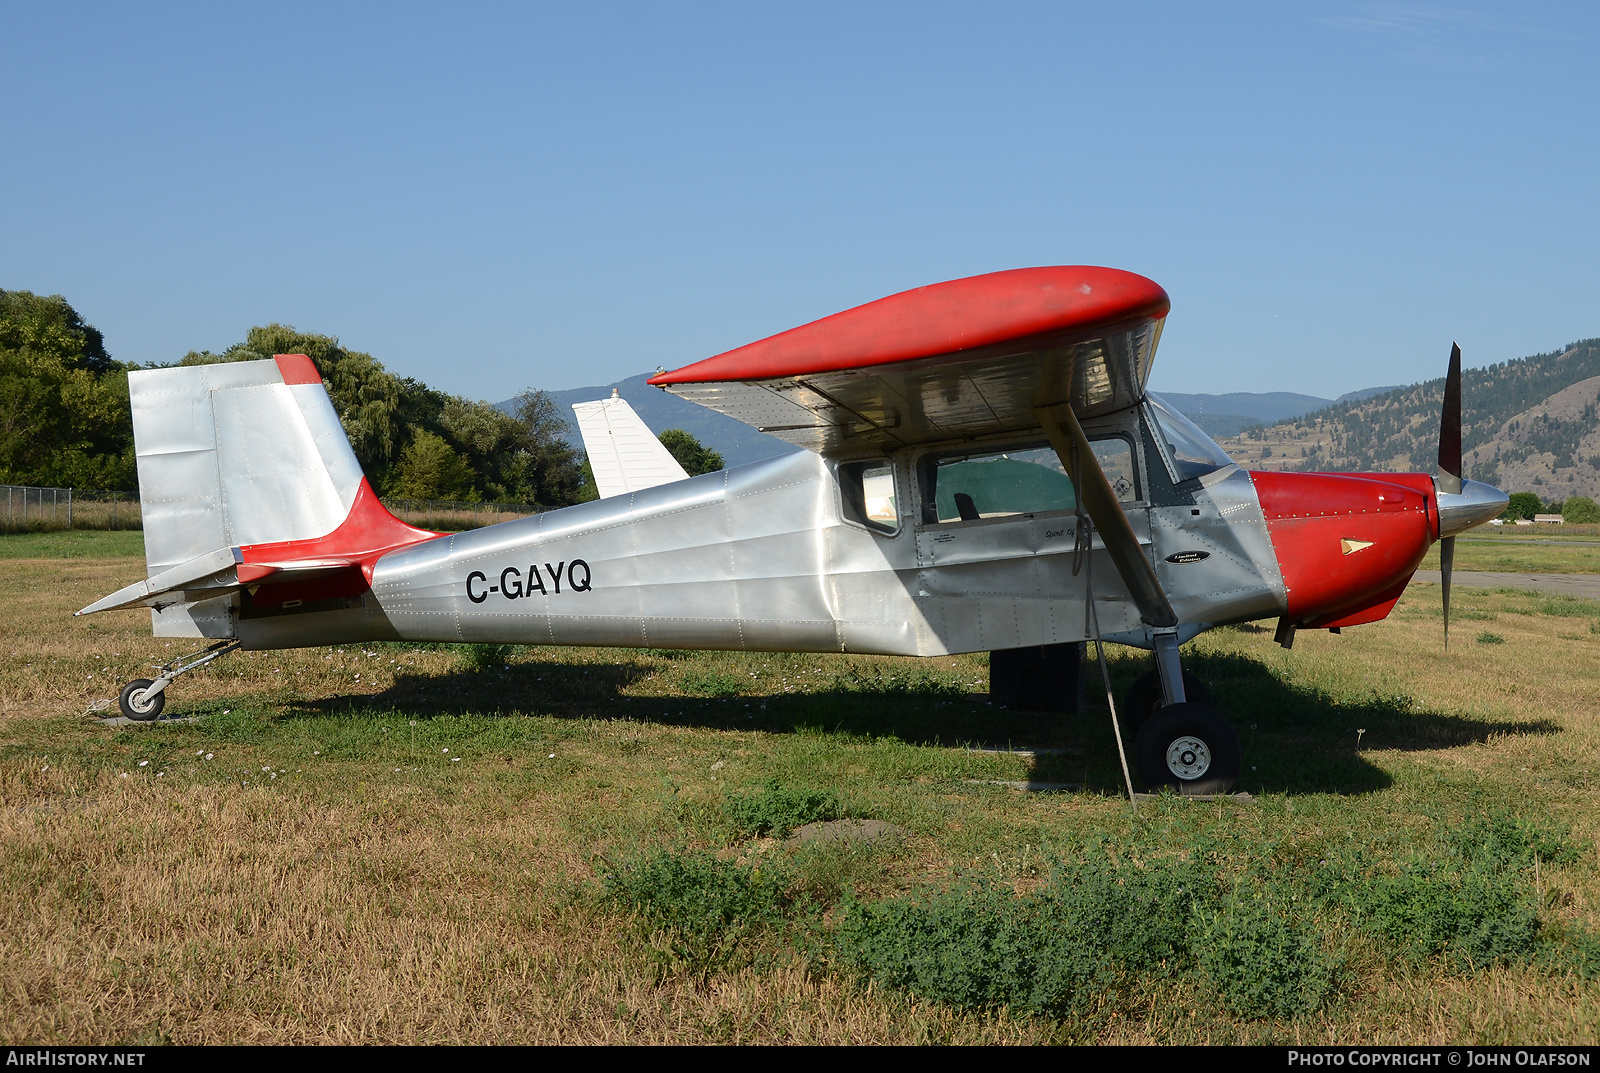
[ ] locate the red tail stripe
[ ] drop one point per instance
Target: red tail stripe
(367, 533)
(297, 369)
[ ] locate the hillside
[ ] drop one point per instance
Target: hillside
(1229, 414)
(1527, 425)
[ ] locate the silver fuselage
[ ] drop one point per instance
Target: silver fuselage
(762, 557)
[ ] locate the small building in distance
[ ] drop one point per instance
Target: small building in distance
(1547, 519)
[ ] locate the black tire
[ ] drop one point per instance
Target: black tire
(1145, 698)
(142, 707)
(1189, 748)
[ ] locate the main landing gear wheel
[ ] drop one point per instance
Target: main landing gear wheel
(138, 704)
(1189, 748)
(1145, 698)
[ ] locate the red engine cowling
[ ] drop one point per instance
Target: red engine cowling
(1347, 544)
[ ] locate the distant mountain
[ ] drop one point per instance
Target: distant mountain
(737, 442)
(1230, 414)
(1364, 393)
(1220, 425)
(1267, 406)
(1530, 425)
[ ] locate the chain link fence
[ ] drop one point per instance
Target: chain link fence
(26, 509)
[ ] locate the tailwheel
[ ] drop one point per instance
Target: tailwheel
(1145, 698)
(1189, 748)
(138, 702)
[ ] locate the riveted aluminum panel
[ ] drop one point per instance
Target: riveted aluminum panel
(1238, 579)
(663, 567)
(214, 618)
(180, 492)
(1007, 582)
(274, 483)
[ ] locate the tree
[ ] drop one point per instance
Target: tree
(588, 487)
(64, 417)
(1523, 505)
(49, 326)
(691, 455)
(431, 469)
(372, 403)
(521, 457)
(549, 463)
(1580, 510)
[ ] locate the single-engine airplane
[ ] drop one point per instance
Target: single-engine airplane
(983, 470)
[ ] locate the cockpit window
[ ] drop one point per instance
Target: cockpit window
(1022, 480)
(867, 491)
(969, 487)
(1193, 452)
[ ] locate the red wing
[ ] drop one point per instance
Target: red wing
(962, 358)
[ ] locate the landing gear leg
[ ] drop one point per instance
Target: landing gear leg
(1169, 667)
(143, 699)
(1185, 744)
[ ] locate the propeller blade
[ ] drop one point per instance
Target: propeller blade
(1447, 562)
(1450, 427)
(1067, 437)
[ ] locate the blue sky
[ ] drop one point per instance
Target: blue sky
(491, 197)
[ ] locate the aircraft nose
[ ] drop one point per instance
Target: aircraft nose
(1475, 504)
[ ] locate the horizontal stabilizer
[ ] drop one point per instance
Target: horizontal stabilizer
(210, 575)
(624, 454)
(213, 570)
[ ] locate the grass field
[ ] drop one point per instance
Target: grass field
(1555, 555)
(396, 843)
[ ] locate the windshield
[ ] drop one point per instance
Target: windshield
(1193, 452)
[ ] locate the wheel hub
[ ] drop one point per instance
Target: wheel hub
(1188, 758)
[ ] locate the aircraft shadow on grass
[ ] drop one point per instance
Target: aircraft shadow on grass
(1295, 739)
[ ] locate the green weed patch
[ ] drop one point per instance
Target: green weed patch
(775, 809)
(1263, 959)
(708, 913)
(1081, 940)
(1474, 905)
(1473, 917)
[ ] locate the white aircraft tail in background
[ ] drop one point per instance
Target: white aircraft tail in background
(624, 454)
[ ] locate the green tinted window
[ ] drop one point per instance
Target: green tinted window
(1030, 481)
(995, 485)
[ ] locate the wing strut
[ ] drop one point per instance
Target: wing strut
(1067, 437)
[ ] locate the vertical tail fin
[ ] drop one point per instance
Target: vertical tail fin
(247, 452)
(624, 454)
(247, 462)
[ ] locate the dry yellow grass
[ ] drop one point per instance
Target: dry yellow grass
(332, 874)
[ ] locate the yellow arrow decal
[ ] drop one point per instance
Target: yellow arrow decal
(1354, 545)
